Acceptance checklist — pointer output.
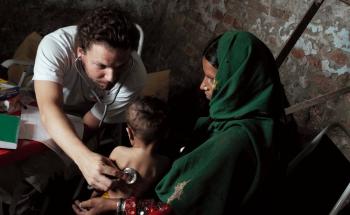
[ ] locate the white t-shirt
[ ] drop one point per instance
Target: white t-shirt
(56, 61)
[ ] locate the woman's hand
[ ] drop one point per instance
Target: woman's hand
(96, 169)
(94, 206)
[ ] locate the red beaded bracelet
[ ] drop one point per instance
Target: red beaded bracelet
(131, 206)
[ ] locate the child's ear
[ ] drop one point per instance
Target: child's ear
(130, 133)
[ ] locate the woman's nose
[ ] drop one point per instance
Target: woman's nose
(202, 86)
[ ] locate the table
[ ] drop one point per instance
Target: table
(25, 149)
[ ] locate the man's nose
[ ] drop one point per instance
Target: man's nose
(109, 74)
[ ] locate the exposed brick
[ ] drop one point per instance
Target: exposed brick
(298, 53)
(190, 25)
(220, 27)
(232, 21)
(228, 19)
(314, 61)
(280, 13)
(179, 20)
(189, 51)
(272, 40)
(339, 57)
(218, 15)
(322, 85)
(347, 98)
(259, 7)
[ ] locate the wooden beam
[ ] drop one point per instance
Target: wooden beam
(298, 31)
(317, 100)
(346, 1)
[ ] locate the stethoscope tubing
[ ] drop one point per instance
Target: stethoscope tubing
(79, 69)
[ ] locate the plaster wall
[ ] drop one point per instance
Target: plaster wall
(318, 64)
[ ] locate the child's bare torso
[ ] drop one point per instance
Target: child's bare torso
(150, 167)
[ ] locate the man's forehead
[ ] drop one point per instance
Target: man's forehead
(109, 55)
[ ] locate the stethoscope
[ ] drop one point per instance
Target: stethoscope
(80, 69)
(130, 173)
(130, 176)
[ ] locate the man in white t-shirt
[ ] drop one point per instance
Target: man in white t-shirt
(90, 69)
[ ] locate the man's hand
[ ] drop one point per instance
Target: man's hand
(94, 206)
(96, 170)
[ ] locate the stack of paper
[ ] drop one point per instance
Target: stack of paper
(32, 129)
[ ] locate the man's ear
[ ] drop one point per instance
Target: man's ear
(130, 133)
(80, 52)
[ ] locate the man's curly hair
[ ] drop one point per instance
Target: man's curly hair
(148, 117)
(107, 25)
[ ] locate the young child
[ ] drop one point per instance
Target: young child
(147, 127)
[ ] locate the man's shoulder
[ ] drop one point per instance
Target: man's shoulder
(55, 53)
(68, 30)
(62, 37)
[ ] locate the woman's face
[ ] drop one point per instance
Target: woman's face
(208, 83)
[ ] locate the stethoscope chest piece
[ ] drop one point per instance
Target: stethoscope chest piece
(131, 175)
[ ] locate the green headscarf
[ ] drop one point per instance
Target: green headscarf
(227, 171)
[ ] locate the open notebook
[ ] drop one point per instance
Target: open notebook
(31, 128)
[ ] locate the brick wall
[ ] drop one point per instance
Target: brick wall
(318, 64)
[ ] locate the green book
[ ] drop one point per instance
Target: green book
(9, 129)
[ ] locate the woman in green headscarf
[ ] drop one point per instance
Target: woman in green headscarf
(232, 168)
(234, 158)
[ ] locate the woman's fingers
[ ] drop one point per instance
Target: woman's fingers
(85, 204)
(78, 208)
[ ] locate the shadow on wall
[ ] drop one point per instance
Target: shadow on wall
(43, 17)
(186, 104)
(18, 21)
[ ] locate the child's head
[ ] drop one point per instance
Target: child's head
(147, 118)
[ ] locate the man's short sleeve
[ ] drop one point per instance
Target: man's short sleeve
(53, 56)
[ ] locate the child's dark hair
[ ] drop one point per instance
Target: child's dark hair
(107, 25)
(210, 52)
(148, 117)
